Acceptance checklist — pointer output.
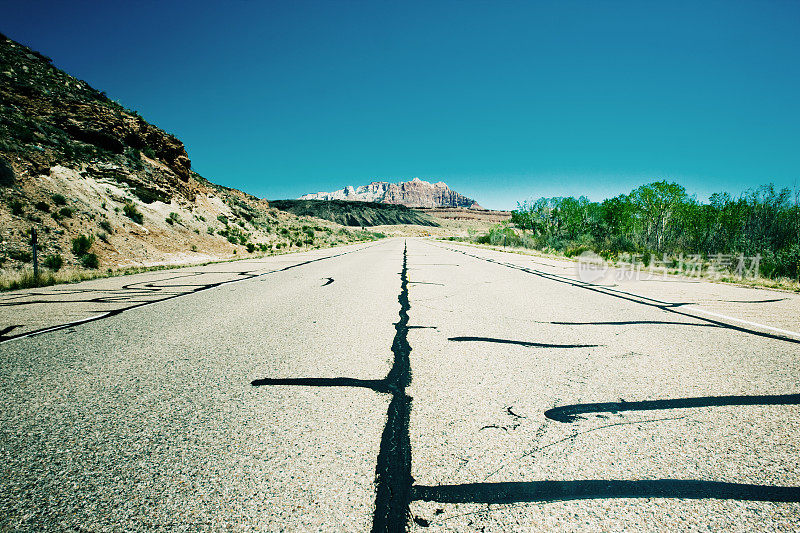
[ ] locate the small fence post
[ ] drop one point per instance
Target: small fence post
(35, 257)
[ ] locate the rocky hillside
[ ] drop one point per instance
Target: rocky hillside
(74, 164)
(414, 193)
(355, 213)
(460, 213)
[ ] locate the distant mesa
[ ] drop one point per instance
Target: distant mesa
(414, 193)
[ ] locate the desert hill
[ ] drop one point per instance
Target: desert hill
(356, 213)
(74, 163)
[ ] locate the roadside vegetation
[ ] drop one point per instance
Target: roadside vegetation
(660, 219)
(52, 273)
(249, 233)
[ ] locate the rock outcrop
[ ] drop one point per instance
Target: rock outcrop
(363, 214)
(75, 164)
(50, 118)
(414, 193)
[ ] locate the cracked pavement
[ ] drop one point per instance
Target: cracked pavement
(431, 386)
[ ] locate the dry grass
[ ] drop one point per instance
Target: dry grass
(780, 284)
(23, 278)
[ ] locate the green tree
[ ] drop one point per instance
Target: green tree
(656, 204)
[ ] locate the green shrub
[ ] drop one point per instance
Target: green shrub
(134, 158)
(90, 261)
(53, 261)
(783, 263)
(573, 251)
(59, 199)
(20, 255)
(500, 235)
(149, 152)
(621, 243)
(42, 206)
(16, 207)
(81, 244)
(235, 235)
(223, 219)
(173, 218)
(251, 247)
(106, 226)
(65, 212)
(132, 213)
(28, 281)
(788, 262)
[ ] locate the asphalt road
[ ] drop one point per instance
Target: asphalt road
(401, 385)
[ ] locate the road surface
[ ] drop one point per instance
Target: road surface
(406, 384)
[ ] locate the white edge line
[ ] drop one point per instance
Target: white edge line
(718, 315)
(756, 324)
(101, 315)
(56, 328)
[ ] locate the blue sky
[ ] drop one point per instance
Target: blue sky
(501, 100)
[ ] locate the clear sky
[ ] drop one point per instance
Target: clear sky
(501, 100)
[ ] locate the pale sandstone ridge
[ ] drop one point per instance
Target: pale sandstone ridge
(414, 193)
